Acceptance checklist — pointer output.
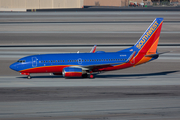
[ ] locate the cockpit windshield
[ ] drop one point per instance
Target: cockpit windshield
(21, 61)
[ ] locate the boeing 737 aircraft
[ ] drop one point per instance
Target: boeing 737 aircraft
(85, 64)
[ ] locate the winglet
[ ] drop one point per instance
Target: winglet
(131, 57)
(93, 49)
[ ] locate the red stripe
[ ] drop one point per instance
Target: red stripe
(73, 74)
(45, 69)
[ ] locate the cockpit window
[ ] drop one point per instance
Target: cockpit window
(21, 61)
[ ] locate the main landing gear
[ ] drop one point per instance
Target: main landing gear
(88, 76)
(91, 76)
(28, 75)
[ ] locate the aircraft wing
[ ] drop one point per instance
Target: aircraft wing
(109, 64)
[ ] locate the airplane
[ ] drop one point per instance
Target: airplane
(86, 64)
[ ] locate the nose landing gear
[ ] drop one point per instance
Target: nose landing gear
(28, 77)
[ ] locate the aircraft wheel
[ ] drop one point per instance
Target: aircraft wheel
(91, 76)
(29, 77)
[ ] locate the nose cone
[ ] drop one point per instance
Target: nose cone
(13, 66)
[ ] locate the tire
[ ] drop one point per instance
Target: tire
(28, 77)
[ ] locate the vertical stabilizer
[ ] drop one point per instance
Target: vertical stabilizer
(147, 44)
(149, 40)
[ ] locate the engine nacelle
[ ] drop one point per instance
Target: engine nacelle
(72, 72)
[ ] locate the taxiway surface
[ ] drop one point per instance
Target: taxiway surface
(149, 92)
(84, 27)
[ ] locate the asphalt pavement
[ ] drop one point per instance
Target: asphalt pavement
(149, 91)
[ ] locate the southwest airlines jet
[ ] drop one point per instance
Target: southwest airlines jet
(85, 64)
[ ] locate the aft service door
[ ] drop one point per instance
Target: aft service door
(34, 62)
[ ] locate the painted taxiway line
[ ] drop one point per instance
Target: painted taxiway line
(46, 81)
(78, 47)
(90, 32)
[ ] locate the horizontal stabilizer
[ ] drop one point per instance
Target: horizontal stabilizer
(152, 55)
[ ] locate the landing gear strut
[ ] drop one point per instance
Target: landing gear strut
(91, 75)
(85, 75)
(28, 77)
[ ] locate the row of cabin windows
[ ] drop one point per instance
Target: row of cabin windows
(48, 61)
(91, 60)
(21, 61)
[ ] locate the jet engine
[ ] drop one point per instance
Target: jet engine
(72, 72)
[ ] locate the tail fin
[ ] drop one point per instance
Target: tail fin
(148, 42)
(146, 47)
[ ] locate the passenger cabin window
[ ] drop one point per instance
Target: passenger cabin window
(21, 61)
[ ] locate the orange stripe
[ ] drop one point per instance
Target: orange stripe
(152, 50)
